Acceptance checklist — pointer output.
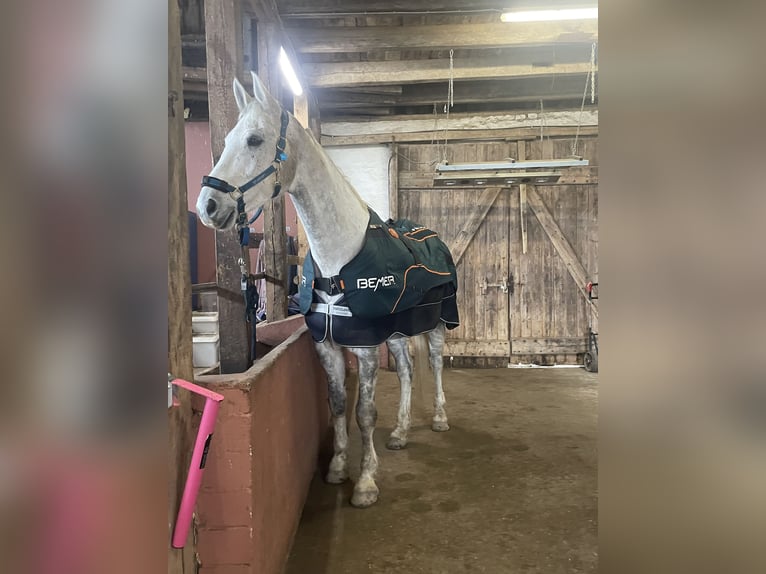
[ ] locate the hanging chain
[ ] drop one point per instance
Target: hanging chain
(542, 120)
(450, 102)
(588, 80)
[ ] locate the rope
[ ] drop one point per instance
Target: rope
(593, 73)
(589, 79)
(450, 102)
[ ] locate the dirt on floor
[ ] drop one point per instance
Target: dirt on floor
(510, 488)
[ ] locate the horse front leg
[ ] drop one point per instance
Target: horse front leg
(398, 348)
(365, 490)
(435, 353)
(331, 359)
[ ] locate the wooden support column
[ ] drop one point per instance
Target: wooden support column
(275, 260)
(562, 246)
(223, 38)
(180, 436)
(301, 112)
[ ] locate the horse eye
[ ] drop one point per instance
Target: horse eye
(254, 140)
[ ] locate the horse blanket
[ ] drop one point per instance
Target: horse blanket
(403, 281)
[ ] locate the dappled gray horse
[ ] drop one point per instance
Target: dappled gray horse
(337, 301)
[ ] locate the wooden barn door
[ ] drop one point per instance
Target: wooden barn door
(475, 223)
(549, 309)
(541, 316)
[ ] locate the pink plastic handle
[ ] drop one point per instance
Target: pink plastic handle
(198, 460)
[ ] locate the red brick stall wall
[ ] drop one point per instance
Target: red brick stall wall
(270, 428)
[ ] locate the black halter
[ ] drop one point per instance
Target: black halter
(238, 193)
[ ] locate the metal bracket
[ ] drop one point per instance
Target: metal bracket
(504, 287)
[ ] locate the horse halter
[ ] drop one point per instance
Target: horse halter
(238, 193)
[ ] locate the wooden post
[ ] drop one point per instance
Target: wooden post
(275, 261)
(179, 294)
(223, 37)
(301, 112)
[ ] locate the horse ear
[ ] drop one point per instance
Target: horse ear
(242, 97)
(258, 90)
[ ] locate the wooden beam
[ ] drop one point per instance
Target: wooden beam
(334, 100)
(458, 348)
(275, 260)
(458, 135)
(316, 8)
(475, 219)
(301, 112)
(383, 90)
(223, 33)
(354, 113)
(560, 243)
(180, 364)
(466, 121)
(420, 71)
(505, 91)
(365, 39)
(548, 345)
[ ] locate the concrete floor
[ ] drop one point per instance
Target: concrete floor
(510, 488)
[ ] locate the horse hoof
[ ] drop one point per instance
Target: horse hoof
(396, 443)
(337, 477)
(439, 426)
(365, 498)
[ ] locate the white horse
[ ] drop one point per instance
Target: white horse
(335, 219)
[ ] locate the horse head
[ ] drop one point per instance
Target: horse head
(252, 154)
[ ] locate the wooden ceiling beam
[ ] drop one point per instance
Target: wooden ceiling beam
(459, 135)
(373, 89)
(364, 39)
(317, 8)
(326, 105)
(529, 89)
(421, 71)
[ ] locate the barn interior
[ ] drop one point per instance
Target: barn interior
(461, 116)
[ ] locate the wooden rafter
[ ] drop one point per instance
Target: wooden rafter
(420, 71)
(364, 39)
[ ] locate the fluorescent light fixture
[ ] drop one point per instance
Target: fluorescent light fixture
(289, 72)
(550, 15)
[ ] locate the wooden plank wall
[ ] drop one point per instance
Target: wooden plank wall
(545, 319)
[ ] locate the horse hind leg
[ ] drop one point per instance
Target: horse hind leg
(398, 348)
(436, 348)
(331, 358)
(365, 489)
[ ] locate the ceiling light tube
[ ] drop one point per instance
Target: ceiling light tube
(289, 72)
(550, 15)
